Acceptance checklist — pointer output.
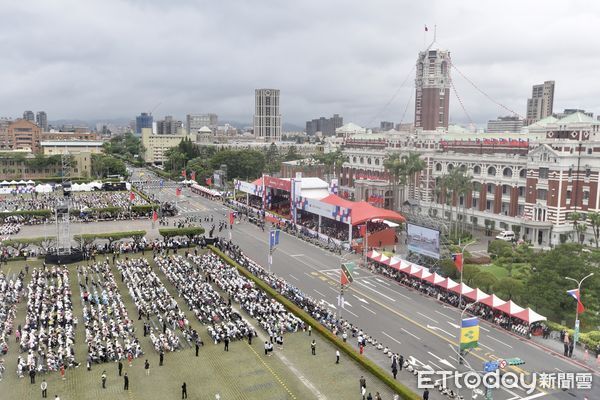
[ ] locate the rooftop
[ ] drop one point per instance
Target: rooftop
(72, 143)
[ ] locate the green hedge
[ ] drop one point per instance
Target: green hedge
(144, 209)
(591, 339)
(32, 213)
(174, 232)
(111, 236)
(370, 366)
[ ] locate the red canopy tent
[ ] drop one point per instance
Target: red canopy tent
(423, 274)
(510, 308)
(477, 295)
(448, 284)
(395, 263)
(363, 211)
(493, 301)
(414, 269)
(529, 316)
(434, 279)
(462, 289)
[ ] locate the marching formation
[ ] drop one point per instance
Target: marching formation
(10, 291)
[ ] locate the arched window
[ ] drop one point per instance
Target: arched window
(492, 171)
(369, 160)
(463, 168)
(377, 161)
(362, 160)
(354, 159)
(438, 167)
(477, 170)
(507, 172)
(450, 167)
(522, 173)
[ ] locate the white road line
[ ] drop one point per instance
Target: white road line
(493, 338)
(483, 329)
(350, 312)
(382, 281)
(397, 341)
(379, 293)
(369, 310)
(319, 292)
(535, 396)
(435, 365)
(487, 347)
(441, 313)
(367, 281)
(292, 276)
(296, 255)
(309, 275)
(415, 336)
(423, 315)
(559, 370)
(333, 290)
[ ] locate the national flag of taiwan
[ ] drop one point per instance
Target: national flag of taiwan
(154, 216)
(184, 173)
(193, 177)
(178, 192)
(231, 218)
(575, 294)
(131, 196)
(362, 230)
(458, 261)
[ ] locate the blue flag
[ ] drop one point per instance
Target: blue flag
(273, 238)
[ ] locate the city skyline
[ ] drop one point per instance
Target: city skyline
(353, 60)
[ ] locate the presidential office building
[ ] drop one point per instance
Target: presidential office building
(526, 182)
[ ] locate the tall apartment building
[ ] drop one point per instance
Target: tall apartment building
(41, 118)
(23, 134)
(326, 126)
(385, 126)
(194, 122)
(432, 97)
(267, 117)
(28, 116)
(168, 126)
(505, 124)
(540, 105)
(144, 120)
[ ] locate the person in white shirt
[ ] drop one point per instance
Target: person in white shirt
(44, 387)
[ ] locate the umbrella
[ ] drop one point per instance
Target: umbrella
(529, 316)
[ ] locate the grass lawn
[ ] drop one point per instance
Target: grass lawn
(498, 271)
(242, 373)
(520, 271)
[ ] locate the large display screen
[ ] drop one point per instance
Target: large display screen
(423, 240)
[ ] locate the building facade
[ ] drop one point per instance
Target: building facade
(155, 145)
(541, 103)
(24, 167)
(267, 117)
(432, 95)
(326, 126)
(22, 134)
(194, 122)
(54, 147)
(168, 126)
(29, 116)
(527, 183)
(505, 124)
(41, 119)
(144, 120)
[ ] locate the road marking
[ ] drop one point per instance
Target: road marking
(370, 283)
(441, 313)
(493, 338)
(435, 328)
(309, 275)
(361, 299)
(296, 255)
(423, 315)
(337, 292)
(487, 347)
(382, 281)
(397, 341)
(559, 370)
(442, 360)
(453, 325)
(379, 293)
(350, 312)
(483, 329)
(319, 292)
(369, 310)
(535, 396)
(292, 276)
(435, 365)
(415, 336)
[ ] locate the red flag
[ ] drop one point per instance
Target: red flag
(575, 294)
(193, 176)
(131, 196)
(362, 230)
(209, 181)
(343, 278)
(184, 173)
(154, 216)
(178, 192)
(231, 217)
(458, 261)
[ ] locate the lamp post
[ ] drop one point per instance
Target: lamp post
(462, 263)
(341, 300)
(575, 336)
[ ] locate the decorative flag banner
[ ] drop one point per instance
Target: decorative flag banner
(469, 333)
(341, 301)
(575, 294)
(184, 173)
(458, 261)
(178, 192)
(343, 278)
(154, 216)
(231, 217)
(346, 271)
(193, 177)
(273, 239)
(131, 196)
(362, 230)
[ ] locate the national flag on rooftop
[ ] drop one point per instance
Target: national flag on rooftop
(131, 196)
(458, 261)
(154, 216)
(574, 293)
(469, 333)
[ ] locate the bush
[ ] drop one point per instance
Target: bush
(370, 366)
(32, 213)
(111, 237)
(174, 232)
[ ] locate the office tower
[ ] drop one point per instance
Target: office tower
(385, 126)
(511, 124)
(29, 116)
(432, 85)
(540, 105)
(326, 126)
(168, 126)
(196, 121)
(267, 118)
(144, 120)
(41, 118)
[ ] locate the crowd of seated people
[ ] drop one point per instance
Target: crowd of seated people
(79, 200)
(208, 306)
(270, 314)
(10, 228)
(48, 334)
(109, 332)
(152, 299)
(10, 291)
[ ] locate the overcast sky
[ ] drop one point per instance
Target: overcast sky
(114, 59)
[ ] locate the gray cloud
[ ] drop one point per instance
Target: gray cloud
(111, 59)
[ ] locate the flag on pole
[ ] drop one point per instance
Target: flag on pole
(131, 196)
(273, 239)
(341, 302)
(458, 261)
(362, 230)
(154, 216)
(469, 333)
(231, 217)
(177, 191)
(209, 181)
(575, 294)
(193, 177)
(343, 278)
(184, 173)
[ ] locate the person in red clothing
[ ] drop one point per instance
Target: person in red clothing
(62, 371)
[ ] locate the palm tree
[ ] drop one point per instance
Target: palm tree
(575, 217)
(395, 166)
(414, 164)
(594, 219)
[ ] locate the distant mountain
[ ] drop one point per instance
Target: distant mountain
(90, 123)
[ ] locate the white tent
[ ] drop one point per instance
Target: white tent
(21, 182)
(47, 188)
(4, 183)
(13, 182)
(30, 182)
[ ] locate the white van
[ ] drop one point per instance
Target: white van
(507, 236)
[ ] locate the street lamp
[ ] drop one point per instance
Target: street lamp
(343, 258)
(577, 307)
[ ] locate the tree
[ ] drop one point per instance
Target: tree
(292, 154)
(104, 165)
(485, 281)
(594, 218)
(575, 217)
(509, 289)
(333, 161)
(395, 167)
(273, 159)
(414, 164)
(470, 273)
(201, 166)
(244, 164)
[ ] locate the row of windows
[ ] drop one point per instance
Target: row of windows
(491, 171)
(362, 160)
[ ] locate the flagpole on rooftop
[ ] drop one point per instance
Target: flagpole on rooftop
(575, 336)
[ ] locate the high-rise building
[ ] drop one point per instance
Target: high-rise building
(385, 126)
(267, 118)
(29, 116)
(168, 126)
(505, 124)
(326, 126)
(540, 105)
(196, 121)
(41, 118)
(144, 120)
(432, 97)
